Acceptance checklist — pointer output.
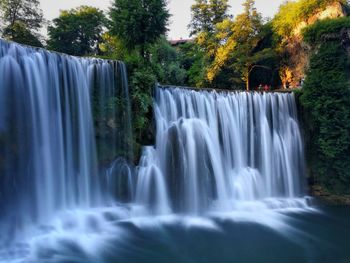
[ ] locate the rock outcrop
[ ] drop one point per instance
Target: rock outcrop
(298, 53)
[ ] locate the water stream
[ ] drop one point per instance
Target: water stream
(223, 151)
(48, 144)
(224, 182)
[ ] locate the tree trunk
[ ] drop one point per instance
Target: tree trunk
(247, 82)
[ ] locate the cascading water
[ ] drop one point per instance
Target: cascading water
(222, 151)
(112, 111)
(66, 148)
(48, 160)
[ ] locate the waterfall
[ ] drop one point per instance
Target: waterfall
(67, 186)
(48, 150)
(222, 151)
(61, 116)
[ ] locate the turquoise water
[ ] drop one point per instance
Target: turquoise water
(321, 236)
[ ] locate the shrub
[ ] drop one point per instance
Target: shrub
(326, 98)
(292, 13)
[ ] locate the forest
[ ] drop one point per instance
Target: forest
(306, 44)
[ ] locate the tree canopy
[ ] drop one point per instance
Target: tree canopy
(165, 61)
(21, 20)
(77, 31)
(139, 23)
(206, 14)
(239, 48)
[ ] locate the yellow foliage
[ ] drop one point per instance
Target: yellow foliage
(222, 55)
(292, 13)
(113, 47)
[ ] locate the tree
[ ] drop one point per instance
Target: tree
(20, 34)
(113, 47)
(77, 31)
(139, 23)
(165, 61)
(247, 36)
(135, 31)
(192, 59)
(206, 14)
(21, 20)
(242, 46)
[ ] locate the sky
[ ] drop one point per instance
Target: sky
(180, 10)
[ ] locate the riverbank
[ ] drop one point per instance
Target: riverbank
(327, 198)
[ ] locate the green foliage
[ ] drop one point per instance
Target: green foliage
(326, 97)
(142, 82)
(315, 32)
(244, 44)
(165, 61)
(113, 47)
(164, 66)
(192, 59)
(135, 36)
(139, 23)
(292, 13)
(77, 31)
(25, 11)
(20, 34)
(247, 35)
(206, 14)
(21, 20)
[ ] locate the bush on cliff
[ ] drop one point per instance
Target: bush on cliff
(326, 98)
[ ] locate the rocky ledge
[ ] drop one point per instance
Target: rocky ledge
(325, 197)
